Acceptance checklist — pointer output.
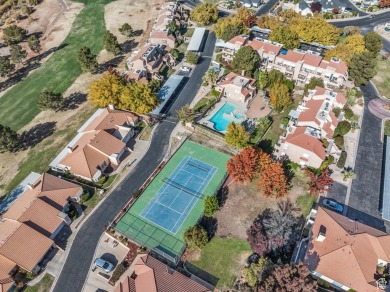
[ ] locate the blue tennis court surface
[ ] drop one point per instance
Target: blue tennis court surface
(173, 202)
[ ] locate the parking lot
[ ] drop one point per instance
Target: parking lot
(96, 280)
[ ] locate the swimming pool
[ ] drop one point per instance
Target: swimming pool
(223, 117)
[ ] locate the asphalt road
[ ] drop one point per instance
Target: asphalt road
(80, 257)
(365, 198)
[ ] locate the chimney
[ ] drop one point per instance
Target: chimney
(111, 106)
(321, 237)
(70, 149)
(30, 186)
(243, 72)
(321, 234)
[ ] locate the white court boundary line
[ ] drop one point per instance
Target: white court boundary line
(179, 168)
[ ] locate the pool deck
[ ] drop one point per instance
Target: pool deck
(241, 108)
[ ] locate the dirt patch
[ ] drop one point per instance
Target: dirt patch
(59, 28)
(52, 23)
(243, 204)
(139, 14)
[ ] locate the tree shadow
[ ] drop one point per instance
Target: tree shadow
(210, 224)
(138, 32)
(110, 63)
(211, 279)
(222, 195)
(74, 100)
(128, 46)
(266, 146)
(36, 134)
(31, 64)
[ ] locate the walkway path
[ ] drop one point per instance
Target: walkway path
(81, 253)
(377, 108)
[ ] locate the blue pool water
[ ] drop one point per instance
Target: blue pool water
(221, 122)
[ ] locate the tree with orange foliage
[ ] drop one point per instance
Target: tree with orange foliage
(273, 181)
(319, 183)
(245, 166)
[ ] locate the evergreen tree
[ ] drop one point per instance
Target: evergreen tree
(6, 67)
(111, 44)
(87, 60)
(34, 44)
(126, 30)
(17, 53)
(362, 68)
(49, 100)
(9, 139)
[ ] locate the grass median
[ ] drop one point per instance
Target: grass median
(18, 106)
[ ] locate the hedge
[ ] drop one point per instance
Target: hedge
(342, 159)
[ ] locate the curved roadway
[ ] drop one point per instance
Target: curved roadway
(367, 24)
(81, 253)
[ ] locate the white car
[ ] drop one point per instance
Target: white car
(185, 69)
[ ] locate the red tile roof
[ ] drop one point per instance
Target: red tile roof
(292, 56)
(309, 114)
(151, 275)
(349, 252)
(310, 143)
(312, 60)
(26, 247)
(267, 47)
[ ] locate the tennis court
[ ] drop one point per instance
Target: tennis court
(179, 193)
(174, 200)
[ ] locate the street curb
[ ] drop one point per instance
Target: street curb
(96, 207)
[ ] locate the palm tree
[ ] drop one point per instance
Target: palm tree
(348, 173)
(211, 76)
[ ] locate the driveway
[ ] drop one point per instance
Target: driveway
(77, 265)
(365, 198)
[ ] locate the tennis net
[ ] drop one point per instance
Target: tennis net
(182, 188)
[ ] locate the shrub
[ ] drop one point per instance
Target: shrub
(336, 111)
(342, 128)
(342, 159)
(210, 206)
(339, 141)
(325, 142)
(85, 197)
(118, 272)
(196, 237)
(348, 113)
(192, 58)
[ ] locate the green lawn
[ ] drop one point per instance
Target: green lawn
(19, 105)
(305, 203)
(274, 130)
(387, 128)
(382, 79)
(42, 286)
(221, 261)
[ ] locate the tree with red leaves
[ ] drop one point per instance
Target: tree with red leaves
(273, 181)
(251, 20)
(245, 166)
(316, 7)
(319, 183)
(290, 277)
(257, 239)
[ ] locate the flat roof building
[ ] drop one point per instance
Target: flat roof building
(196, 40)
